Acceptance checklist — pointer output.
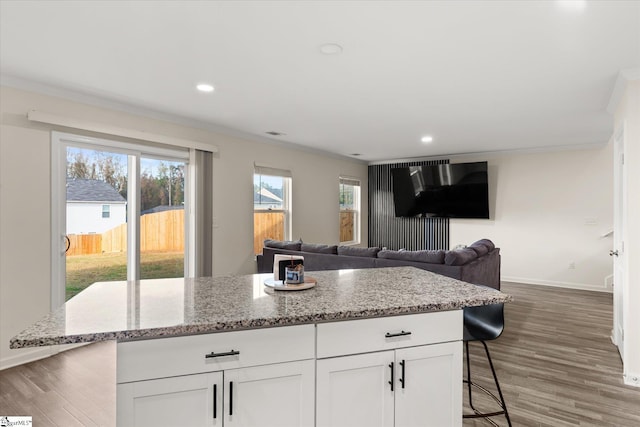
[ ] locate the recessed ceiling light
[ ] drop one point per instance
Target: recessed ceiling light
(427, 139)
(274, 133)
(356, 154)
(204, 87)
(331, 49)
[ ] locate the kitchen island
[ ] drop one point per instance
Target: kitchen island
(363, 347)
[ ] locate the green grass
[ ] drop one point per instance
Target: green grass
(83, 270)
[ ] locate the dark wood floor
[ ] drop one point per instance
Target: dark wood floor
(555, 362)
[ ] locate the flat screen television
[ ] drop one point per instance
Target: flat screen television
(459, 190)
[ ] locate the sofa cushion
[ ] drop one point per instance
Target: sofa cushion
(460, 256)
(355, 251)
(279, 244)
(486, 242)
(480, 248)
(431, 257)
(319, 249)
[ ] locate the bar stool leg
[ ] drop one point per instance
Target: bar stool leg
(501, 402)
(495, 378)
(468, 381)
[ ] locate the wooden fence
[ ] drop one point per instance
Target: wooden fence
(346, 226)
(159, 232)
(267, 225)
(164, 232)
(270, 225)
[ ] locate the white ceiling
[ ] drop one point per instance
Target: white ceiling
(476, 75)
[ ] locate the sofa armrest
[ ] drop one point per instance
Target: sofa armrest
(484, 270)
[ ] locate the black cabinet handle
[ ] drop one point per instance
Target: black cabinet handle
(230, 398)
(398, 334)
(215, 401)
(392, 373)
(228, 353)
(402, 377)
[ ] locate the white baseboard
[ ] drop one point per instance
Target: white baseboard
(568, 285)
(632, 379)
(37, 353)
(25, 356)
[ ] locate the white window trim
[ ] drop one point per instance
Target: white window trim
(59, 143)
(287, 191)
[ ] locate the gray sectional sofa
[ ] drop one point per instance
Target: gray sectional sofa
(478, 263)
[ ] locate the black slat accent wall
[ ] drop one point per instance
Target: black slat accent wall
(386, 230)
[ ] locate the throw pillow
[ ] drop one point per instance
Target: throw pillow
(279, 244)
(460, 257)
(319, 249)
(488, 243)
(431, 257)
(354, 251)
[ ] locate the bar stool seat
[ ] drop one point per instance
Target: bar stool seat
(484, 323)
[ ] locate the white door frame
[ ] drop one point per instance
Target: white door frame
(619, 230)
(59, 143)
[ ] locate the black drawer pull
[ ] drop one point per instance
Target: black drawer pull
(399, 334)
(228, 353)
(215, 401)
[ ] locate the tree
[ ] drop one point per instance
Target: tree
(107, 167)
(160, 185)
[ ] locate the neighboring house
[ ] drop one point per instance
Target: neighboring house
(93, 206)
(265, 199)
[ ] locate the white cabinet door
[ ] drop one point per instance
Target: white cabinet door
(277, 395)
(432, 390)
(190, 400)
(354, 391)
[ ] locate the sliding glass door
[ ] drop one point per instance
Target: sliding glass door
(162, 188)
(120, 213)
(96, 217)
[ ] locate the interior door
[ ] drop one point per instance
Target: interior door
(618, 251)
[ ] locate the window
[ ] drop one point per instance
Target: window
(271, 205)
(144, 194)
(349, 211)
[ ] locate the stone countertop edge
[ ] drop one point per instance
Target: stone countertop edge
(40, 333)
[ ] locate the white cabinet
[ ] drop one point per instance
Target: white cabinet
(430, 393)
(279, 395)
(396, 371)
(354, 391)
(189, 400)
(247, 378)
(417, 382)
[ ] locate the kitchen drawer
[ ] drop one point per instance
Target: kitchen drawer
(361, 336)
(168, 357)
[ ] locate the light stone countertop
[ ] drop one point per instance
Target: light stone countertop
(171, 307)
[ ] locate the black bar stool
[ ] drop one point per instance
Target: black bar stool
(484, 323)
